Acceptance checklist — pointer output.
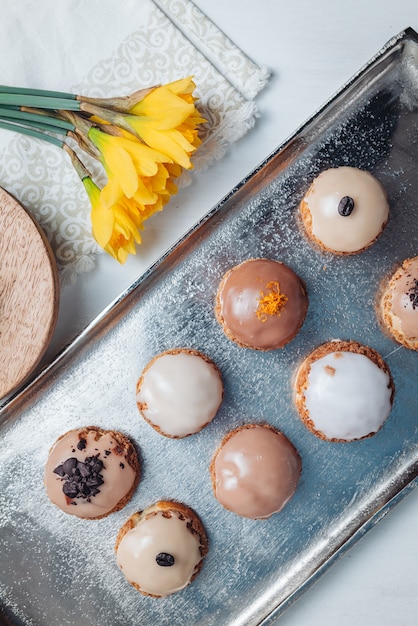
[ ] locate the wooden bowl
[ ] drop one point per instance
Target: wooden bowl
(29, 294)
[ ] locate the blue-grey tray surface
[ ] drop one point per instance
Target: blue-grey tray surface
(59, 570)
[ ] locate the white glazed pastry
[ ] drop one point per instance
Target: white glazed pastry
(343, 391)
(399, 304)
(161, 549)
(179, 392)
(344, 210)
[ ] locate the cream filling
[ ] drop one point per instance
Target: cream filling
(137, 551)
(180, 393)
(348, 396)
(370, 213)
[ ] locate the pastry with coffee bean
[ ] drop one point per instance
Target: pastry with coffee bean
(255, 471)
(344, 210)
(160, 550)
(179, 392)
(91, 472)
(261, 304)
(343, 391)
(398, 306)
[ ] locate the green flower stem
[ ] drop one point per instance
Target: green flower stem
(35, 119)
(28, 91)
(24, 130)
(40, 102)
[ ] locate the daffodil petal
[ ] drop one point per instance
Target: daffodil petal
(101, 218)
(102, 225)
(119, 164)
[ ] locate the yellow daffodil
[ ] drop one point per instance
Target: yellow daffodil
(101, 217)
(166, 120)
(116, 228)
(125, 159)
(143, 141)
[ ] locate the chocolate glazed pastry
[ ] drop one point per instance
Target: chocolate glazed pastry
(255, 471)
(261, 304)
(91, 472)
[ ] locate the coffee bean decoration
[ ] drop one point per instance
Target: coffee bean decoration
(164, 559)
(81, 480)
(346, 206)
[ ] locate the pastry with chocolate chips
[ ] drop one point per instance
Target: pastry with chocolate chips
(91, 472)
(398, 304)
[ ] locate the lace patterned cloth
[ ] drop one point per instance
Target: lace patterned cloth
(101, 48)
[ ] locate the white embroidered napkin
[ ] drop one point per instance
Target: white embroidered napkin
(101, 48)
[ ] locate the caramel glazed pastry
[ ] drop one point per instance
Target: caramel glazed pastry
(91, 472)
(343, 391)
(179, 392)
(399, 304)
(261, 304)
(160, 550)
(255, 471)
(344, 210)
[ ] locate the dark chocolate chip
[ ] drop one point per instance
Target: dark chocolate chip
(96, 465)
(346, 206)
(81, 480)
(122, 465)
(83, 469)
(81, 444)
(107, 452)
(413, 294)
(70, 490)
(164, 559)
(69, 465)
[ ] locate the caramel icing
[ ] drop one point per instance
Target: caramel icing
(403, 289)
(356, 231)
(255, 471)
(117, 475)
(261, 304)
(156, 534)
(179, 392)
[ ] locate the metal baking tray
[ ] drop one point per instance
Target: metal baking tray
(57, 570)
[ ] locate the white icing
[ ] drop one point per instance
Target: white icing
(348, 396)
(138, 548)
(370, 213)
(180, 393)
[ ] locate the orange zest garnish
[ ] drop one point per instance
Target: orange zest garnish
(272, 302)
